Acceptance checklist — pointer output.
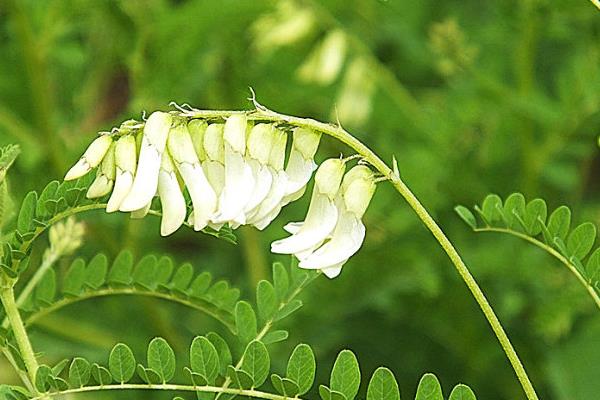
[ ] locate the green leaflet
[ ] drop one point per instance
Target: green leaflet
(429, 388)
(161, 358)
(256, 363)
(79, 372)
(345, 376)
(462, 392)
(383, 386)
(121, 363)
(245, 322)
(204, 359)
(301, 368)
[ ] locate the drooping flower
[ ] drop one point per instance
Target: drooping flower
(271, 206)
(346, 239)
(239, 181)
(322, 212)
(105, 176)
(91, 158)
(125, 162)
(301, 164)
(204, 199)
(145, 183)
(172, 201)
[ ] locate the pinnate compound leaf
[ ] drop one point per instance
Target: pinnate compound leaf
(161, 359)
(245, 322)
(345, 376)
(466, 215)
(256, 362)
(462, 392)
(535, 216)
(383, 386)
(204, 359)
(121, 363)
(429, 388)
(266, 300)
(581, 240)
(301, 367)
(79, 372)
(514, 211)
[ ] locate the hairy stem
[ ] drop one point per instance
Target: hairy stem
(171, 387)
(7, 296)
(337, 132)
(552, 252)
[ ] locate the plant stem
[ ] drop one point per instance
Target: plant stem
(552, 252)
(7, 296)
(172, 387)
(337, 132)
(22, 374)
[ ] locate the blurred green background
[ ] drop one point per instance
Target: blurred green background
(471, 97)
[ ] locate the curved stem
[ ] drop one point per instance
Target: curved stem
(128, 291)
(337, 132)
(257, 394)
(553, 252)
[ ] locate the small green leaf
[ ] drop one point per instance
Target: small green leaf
(301, 368)
(42, 378)
(462, 392)
(200, 285)
(204, 359)
(164, 270)
(49, 192)
(429, 388)
(535, 216)
(27, 212)
(592, 268)
(285, 386)
(266, 300)
(101, 375)
(466, 215)
(281, 281)
(581, 240)
(79, 372)
(287, 309)
(275, 336)
(256, 362)
(383, 386)
(345, 376)
(149, 375)
(120, 273)
(328, 394)
(492, 208)
(245, 322)
(59, 367)
(45, 291)
(514, 210)
(95, 272)
(73, 282)
(559, 222)
(161, 359)
(121, 363)
(223, 351)
(182, 278)
(145, 272)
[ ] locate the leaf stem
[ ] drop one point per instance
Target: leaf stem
(257, 394)
(337, 132)
(7, 296)
(552, 252)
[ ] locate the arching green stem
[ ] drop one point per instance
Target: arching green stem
(263, 114)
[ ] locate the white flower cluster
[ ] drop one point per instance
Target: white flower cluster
(235, 174)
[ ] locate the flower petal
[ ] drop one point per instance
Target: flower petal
(145, 182)
(105, 177)
(126, 161)
(299, 171)
(91, 158)
(346, 240)
(320, 220)
(333, 271)
(171, 198)
(271, 205)
(263, 181)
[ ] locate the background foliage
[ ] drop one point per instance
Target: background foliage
(470, 97)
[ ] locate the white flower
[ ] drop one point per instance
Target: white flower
(145, 182)
(271, 205)
(171, 198)
(239, 181)
(301, 164)
(203, 196)
(215, 159)
(355, 194)
(197, 129)
(326, 60)
(91, 158)
(126, 161)
(322, 212)
(105, 176)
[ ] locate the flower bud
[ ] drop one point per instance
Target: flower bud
(326, 60)
(277, 154)
(65, 237)
(260, 141)
(306, 141)
(213, 142)
(90, 158)
(356, 172)
(197, 128)
(234, 132)
(358, 194)
(329, 176)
